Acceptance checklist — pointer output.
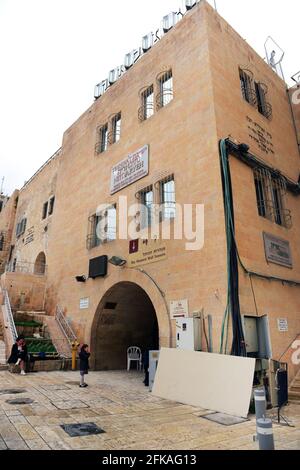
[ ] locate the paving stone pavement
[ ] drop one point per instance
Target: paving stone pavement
(130, 415)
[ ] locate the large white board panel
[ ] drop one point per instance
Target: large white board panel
(211, 381)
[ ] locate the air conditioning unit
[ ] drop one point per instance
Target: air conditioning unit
(147, 42)
(114, 75)
(131, 58)
(169, 21)
(189, 4)
(100, 89)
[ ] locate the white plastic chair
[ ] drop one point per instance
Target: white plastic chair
(134, 354)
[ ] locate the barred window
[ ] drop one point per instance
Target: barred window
(168, 197)
(147, 108)
(270, 197)
(146, 197)
(165, 95)
(102, 144)
(103, 227)
(116, 129)
(246, 86)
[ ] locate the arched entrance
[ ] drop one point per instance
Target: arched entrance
(125, 317)
(40, 264)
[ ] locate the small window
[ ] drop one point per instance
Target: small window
(103, 228)
(116, 128)
(1, 205)
(45, 210)
(21, 227)
(165, 83)
(1, 242)
(246, 86)
(168, 198)
(147, 107)
(102, 143)
(146, 197)
(270, 197)
(51, 205)
(263, 106)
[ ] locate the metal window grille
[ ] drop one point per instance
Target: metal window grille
(263, 106)
(270, 196)
(146, 197)
(147, 108)
(104, 223)
(168, 197)
(246, 80)
(115, 135)
(102, 144)
(165, 95)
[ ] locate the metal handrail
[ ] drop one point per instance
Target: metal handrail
(65, 326)
(9, 316)
(26, 267)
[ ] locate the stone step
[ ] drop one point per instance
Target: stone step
(294, 395)
(3, 367)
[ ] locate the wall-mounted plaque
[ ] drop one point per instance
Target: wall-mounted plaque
(278, 251)
(129, 170)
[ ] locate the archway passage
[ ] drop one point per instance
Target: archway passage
(40, 264)
(125, 317)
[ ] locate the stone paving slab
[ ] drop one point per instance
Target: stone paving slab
(132, 418)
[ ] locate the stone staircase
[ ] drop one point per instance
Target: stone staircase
(294, 390)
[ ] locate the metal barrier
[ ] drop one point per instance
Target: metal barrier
(65, 326)
(9, 319)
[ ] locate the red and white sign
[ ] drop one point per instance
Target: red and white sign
(179, 309)
(129, 170)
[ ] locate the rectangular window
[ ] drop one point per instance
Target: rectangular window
(103, 228)
(1, 241)
(165, 89)
(51, 205)
(246, 86)
(261, 195)
(168, 198)
(21, 227)
(147, 200)
(116, 128)
(45, 210)
(102, 143)
(270, 196)
(147, 109)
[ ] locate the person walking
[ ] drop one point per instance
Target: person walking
(84, 364)
(19, 354)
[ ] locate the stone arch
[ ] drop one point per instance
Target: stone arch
(140, 301)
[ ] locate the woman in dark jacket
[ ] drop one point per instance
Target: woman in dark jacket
(84, 363)
(19, 354)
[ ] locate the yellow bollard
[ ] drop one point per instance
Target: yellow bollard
(74, 347)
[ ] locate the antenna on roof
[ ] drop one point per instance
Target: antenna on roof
(274, 55)
(215, 4)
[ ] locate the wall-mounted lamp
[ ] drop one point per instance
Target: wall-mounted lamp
(81, 278)
(117, 261)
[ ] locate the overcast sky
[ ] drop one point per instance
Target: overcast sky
(53, 52)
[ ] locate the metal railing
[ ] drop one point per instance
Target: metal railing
(39, 269)
(65, 326)
(9, 319)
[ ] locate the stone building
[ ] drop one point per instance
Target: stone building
(155, 135)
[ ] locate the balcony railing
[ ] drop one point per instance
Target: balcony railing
(145, 112)
(164, 98)
(39, 269)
